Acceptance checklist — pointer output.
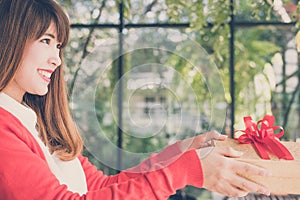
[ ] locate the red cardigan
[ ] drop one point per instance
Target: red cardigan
(24, 172)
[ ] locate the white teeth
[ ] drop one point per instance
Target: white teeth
(45, 74)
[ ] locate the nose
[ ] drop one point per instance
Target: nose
(54, 59)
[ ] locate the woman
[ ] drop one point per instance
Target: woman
(40, 147)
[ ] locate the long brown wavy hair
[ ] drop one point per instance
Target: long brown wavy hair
(20, 22)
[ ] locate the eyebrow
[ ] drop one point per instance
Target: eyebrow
(50, 35)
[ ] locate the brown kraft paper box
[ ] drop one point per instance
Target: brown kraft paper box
(285, 178)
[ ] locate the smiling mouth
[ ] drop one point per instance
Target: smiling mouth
(45, 74)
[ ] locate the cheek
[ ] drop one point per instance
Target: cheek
(26, 73)
(34, 52)
(26, 69)
(23, 77)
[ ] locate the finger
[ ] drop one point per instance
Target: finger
(247, 168)
(218, 136)
(206, 139)
(229, 190)
(214, 135)
(199, 141)
(229, 152)
(249, 186)
(234, 191)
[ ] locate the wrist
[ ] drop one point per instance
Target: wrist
(185, 145)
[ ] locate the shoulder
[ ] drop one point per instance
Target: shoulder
(14, 135)
(7, 119)
(10, 124)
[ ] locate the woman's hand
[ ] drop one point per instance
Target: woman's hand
(199, 141)
(222, 173)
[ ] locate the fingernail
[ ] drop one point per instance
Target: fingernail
(223, 136)
(268, 173)
(264, 191)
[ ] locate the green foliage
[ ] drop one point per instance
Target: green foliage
(254, 10)
(200, 13)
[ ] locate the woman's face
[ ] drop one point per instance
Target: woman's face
(40, 59)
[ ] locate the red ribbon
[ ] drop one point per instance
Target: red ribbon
(262, 136)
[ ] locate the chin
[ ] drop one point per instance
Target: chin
(40, 92)
(43, 93)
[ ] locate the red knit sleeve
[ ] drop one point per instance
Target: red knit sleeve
(24, 172)
(157, 178)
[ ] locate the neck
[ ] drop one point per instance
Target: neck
(13, 94)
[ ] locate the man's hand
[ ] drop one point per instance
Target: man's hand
(200, 141)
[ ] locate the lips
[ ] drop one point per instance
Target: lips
(45, 74)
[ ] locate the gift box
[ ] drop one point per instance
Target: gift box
(261, 146)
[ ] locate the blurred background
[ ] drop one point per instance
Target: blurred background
(149, 88)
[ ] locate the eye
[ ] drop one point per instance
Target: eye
(46, 41)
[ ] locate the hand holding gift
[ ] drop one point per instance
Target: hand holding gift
(221, 172)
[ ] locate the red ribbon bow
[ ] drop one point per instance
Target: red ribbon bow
(262, 136)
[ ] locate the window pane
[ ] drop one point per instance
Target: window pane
(91, 11)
